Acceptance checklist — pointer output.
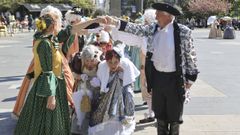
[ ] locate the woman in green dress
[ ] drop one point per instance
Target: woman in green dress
(46, 109)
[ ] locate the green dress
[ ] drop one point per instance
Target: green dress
(35, 118)
(135, 58)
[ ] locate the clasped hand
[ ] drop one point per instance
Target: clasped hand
(51, 103)
(108, 20)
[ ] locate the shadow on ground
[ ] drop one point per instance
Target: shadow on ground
(11, 78)
(30, 46)
(7, 124)
(140, 107)
(9, 99)
(208, 38)
(140, 127)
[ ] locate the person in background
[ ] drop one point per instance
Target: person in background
(134, 55)
(149, 18)
(103, 42)
(229, 31)
(72, 17)
(30, 22)
(3, 19)
(215, 31)
(12, 23)
(94, 37)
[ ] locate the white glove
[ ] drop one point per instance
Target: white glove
(84, 77)
(187, 96)
(95, 82)
(105, 90)
(96, 30)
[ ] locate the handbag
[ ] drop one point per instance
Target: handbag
(85, 104)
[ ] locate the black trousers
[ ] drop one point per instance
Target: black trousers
(148, 71)
(166, 101)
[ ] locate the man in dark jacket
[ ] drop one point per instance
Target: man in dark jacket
(173, 67)
(30, 22)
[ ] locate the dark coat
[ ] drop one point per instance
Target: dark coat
(185, 56)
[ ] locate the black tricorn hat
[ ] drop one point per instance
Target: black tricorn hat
(167, 8)
(77, 11)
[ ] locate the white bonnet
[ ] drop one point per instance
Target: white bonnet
(72, 17)
(104, 36)
(119, 48)
(150, 15)
(91, 52)
(52, 10)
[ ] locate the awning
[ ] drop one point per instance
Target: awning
(39, 7)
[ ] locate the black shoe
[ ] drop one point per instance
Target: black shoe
(143, 121)
(174, 128)
(147, 120)
(162, 127)
(145, 103)
(151, 119)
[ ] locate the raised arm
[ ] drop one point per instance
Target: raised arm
(80, 27)
(136, 29)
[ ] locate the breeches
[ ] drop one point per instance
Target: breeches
(166, 101)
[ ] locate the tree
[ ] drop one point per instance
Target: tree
(147, 3)
(235, 8)
(5, 5)
(13, 4)
(208, 7)
(183, 3)
(85, 4)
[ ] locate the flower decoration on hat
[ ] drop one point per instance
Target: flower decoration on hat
(44, 22)
(126, 18)
(41, 24)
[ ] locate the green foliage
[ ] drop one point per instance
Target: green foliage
(235, 8)
(13, 4)
(7, 5)
(204, 8)
(85, 4)
(147, 3)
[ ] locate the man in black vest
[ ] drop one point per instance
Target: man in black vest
(173, 69)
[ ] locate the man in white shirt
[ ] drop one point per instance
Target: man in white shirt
(173, 68)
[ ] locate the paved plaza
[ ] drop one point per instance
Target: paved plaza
(214, 106)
